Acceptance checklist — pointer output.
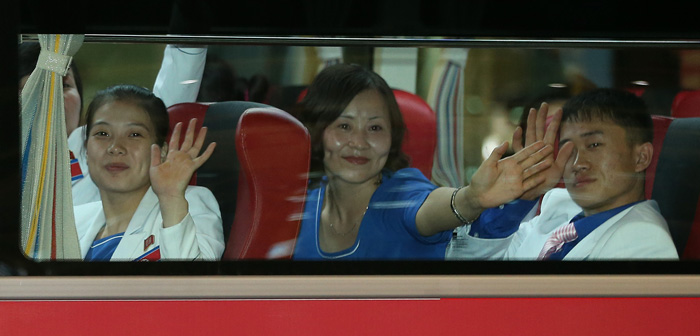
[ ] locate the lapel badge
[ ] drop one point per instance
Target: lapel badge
(148, 242)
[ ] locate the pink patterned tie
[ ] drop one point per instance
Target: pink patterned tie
(555, 242)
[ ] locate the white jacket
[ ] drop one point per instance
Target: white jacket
(638, 232)
(199, 236)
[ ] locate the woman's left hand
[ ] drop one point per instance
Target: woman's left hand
(498, 181)
(170, 175)
(536, 124)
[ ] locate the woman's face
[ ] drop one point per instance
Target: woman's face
(357, 144)
(71, 100)
(119, 147)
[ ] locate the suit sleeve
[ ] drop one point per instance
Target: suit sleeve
(501, 232)
(199, 236)
(638, 240)
(502, 221)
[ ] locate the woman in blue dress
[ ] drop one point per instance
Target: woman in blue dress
(363, 201)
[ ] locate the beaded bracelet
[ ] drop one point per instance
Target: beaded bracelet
(454, 209)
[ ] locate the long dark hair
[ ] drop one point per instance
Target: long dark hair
(220, 82)
(330, 93)
(142, 97)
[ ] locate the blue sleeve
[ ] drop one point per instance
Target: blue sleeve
(401, 197)
(503, 221)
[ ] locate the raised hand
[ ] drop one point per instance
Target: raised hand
(498, 181)
(170, 175)
(536, 124)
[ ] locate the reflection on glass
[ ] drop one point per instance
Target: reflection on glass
(491, 94)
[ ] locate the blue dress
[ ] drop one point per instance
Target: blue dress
(388, 229)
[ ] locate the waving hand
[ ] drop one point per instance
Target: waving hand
(171, 173)
(536, 124)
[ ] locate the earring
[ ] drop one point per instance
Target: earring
(379, 179)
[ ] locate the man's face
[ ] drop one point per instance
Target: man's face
(604, 171)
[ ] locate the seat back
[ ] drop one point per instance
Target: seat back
(274, 152)
(661, 124)
(421, 130)
(686, 104)
(676, 181)
(220, 173)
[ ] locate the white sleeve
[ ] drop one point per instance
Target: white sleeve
(200, 235)
(471, 248)
(180, 74)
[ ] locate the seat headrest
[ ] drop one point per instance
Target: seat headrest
(274, 152)
(421, 130)
(686, 104)
(677, 181)
(220, 173)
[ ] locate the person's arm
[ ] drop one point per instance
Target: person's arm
(180, 74)
(200, 234)
(501, 230)
(505, 220)
(497, 181)
(502, 221)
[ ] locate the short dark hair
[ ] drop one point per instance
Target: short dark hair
(142, 97)
(29, 55)
(331, 92)
(620, 107)
(218, 81)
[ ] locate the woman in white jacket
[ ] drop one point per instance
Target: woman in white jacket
(147, 212)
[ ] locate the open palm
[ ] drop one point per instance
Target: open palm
(538, 130)
(498, 181)
(170, 175)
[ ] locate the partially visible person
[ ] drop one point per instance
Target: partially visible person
(147, 211)
(257, 89)
(220, 83)
(363, 202)
(606, 137)
(72, 83)
(178, 81)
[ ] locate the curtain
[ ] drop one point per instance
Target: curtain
(47, 226)
(446, 97)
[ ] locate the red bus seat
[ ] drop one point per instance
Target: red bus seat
(661, 124)
(222, 173)
(274, 151)
(421, 130)
(686, 104)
